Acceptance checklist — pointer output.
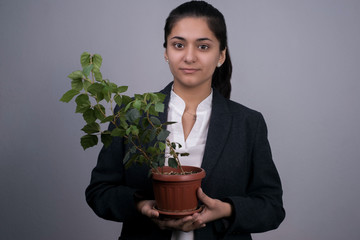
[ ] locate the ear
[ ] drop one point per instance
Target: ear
(165, 55)
(222, 56)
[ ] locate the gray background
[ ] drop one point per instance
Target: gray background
(297, 62)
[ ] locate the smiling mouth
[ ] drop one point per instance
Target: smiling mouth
(189, 70)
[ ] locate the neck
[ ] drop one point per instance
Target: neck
(192, 96)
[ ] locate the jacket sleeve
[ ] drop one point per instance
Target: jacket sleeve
(107, 193)
(261, 208)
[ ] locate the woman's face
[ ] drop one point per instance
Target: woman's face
(193, 52)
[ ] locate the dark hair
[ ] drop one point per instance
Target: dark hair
(216, 22)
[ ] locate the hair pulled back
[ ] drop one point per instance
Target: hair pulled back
(216, 22)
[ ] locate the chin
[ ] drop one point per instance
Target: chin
(190, 83)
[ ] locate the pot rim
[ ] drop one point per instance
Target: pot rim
(199, 174)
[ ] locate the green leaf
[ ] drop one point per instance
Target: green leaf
(99, 111)
(132, 115)
(152, 150)
(144, 136)
(155, 120)
(69, 95)
(123, 122)
(126, 157)
(137, 104)
(85, 59)
(152, 135)
(97, 60)
(77, 84)
(122, 89)
(113, 87)
(126, 100)
(144, 123)
(134, 158)
(161, 96)
(107, 93)
(147, 107)
(159, 107)
(132, 149)
(160, 160)
(147, 97)
(118, 132)
(163, 135)
(138, 96)
(162, 146)
(97, 75)
(154, 164)
(91, 128)
(152, 111)
(172, 163)
(89, 116)
(128, 106)
(127, 132)
(87, 84)
(141, 159)
(154, 97)
(95, 88)
(134, 130)
(83, 103)
(83, 99)
(118, 99)
(184, 154)
(108, 119)
(88, 141)
(88, 69)
(76, 75)
(106, 138)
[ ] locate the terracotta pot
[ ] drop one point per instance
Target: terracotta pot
(175, 195)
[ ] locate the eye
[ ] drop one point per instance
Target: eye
(203, 47)
(178, 45)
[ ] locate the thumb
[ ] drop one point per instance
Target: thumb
(203, 197)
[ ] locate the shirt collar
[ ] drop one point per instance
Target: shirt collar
(177, 101)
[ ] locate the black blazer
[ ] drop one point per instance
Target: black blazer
(239, 169)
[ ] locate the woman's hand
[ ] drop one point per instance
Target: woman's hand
(213, 209)
(146, 207)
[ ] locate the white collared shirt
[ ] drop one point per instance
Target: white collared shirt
(195, 142)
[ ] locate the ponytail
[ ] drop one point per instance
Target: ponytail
(221, 77)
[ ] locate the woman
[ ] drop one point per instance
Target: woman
(242, 186)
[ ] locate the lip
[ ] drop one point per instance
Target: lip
(189, 70)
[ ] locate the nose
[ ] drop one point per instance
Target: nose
(190, 55)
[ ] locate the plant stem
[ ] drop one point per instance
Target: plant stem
(174, 154)
(143, 153)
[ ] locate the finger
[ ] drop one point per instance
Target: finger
(183, 224)
(149, 211)
(192, 225)
(203, 197)
(153, 214)
(169, 224)
(198, 224)
(187, 219)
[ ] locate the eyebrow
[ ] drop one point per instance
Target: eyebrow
(198, 40)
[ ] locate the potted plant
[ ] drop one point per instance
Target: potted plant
(136, 120)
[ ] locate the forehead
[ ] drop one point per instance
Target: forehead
(191, 28)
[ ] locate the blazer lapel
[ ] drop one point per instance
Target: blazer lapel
(219, 128)
(166, 91)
